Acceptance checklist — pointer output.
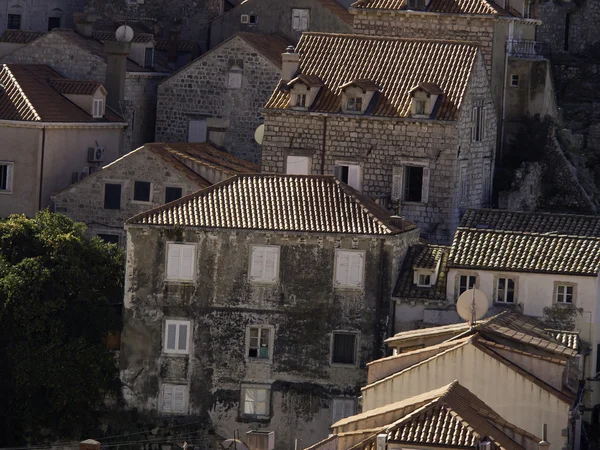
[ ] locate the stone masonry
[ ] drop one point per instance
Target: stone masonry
(35, 13)
(379, 144)
(200, 90)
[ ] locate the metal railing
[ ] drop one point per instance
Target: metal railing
(526, 49)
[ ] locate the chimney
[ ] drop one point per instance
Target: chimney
(84, 23)
(290, 63)
(544, 444)
(116, 70)
(397, 221)
(173, 46)
(89, 444)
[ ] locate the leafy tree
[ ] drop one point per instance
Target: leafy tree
(56, 292)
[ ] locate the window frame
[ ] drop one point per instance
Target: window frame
(298, 103)
(262, 280)
(148, 61)
(354, 104)
(300, 26)
(188, 341)
(353, 167)
(181, 279)
(514, 80)
(199, 121)
(506, 290)
(186, 395)
(10, 168)
(255, 386)
(420, 284)
(145, 202)
(8, 21)
(114, 183)
(173, 187)
(406, 177)
(566, 285)
(421, 108)
(271, 341)
(478, 119)
(98, 109)
(345, 401)
(399, 181)
(344, 286)
(356, 335)
(458, 283)
(118, 236)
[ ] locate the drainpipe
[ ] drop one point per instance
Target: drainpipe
(323, 145)
(379, 346)
(42, 167)
(503, 112)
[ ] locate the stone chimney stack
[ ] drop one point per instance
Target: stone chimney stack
(116, 70)
(84, 23)
(290, 63)
(89, 444)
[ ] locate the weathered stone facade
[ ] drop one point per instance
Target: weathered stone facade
(275, 17)
(200, 91)
(379, 144)
(303, 308)
(65, 55)
(84, 201)
(36, 14)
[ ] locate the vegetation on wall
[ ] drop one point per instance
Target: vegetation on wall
(57, 295)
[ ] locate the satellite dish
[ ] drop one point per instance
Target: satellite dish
(124, 34)
(472, 305)
(259, 134)
(233, 444)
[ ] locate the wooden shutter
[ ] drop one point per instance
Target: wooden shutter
(270, 264)
(354, 177)
(167, 402)
(342, 268)
(179, 398)
(304, 20)
(425, 185)
(338, 410)
(397, 181)
(197, 131)
(356, 269)
(173, 261)
(348, 408)
(257, 263)
(187, 262)
(296, 20)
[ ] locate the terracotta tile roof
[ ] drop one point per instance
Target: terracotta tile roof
(19, 36)
(454, 418)
(339, 10)
(76, 87)
(430, 88)
(110, 36)
(474, 7)
(270, 46)
(451, 330)
(308, 80)
(569, 339)
(29, 95)
(396, 65)
(365, 85)
(182, 45)
(528, 242)
(296, 203)
(423, 256)
(174, 161)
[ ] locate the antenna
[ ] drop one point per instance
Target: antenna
(472, 305)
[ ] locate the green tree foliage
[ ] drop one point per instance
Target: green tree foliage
(57, 295)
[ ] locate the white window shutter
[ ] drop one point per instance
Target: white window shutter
(270, 268)
(179, 399)
(297, 165)
(397, 180)
(197, 131)
(296, 21)
(257, 263)
(173, 261)
(167, 405)
(304, 21)
(342, 268)
(348, 408)
(338, 410)
(187, 262)
(425, 187)
(354, 177)
(356, 269)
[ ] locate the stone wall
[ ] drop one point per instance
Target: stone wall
(35, 13)
(303, 307)
(84, 201)
(200, 91)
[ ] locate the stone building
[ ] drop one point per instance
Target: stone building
(219, 96)
(256, 303)
(416, 130)
(131, 85)
(288, 19)
(143, 179)
(51, 127)
(38, 15)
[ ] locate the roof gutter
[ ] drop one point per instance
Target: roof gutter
(36, 124)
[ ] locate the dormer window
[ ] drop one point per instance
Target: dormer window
(425, 277)
(424, 280)
(424, 100)
(416, 5)
(357, 95)
(354, 104)
(304, 90)
(98, 111)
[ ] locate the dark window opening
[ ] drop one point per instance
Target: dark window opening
(109, 238)
(14, 22)
(4, 177)
(149, 58)
(253, 18)
(466, 282)
(112, 196)
(53, 22)
(344, 351)
(141, 191)
(597, 358)
(172, 194)
(567, 31)
(413, 186)
(341, 173)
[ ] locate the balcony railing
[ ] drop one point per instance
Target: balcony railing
(526, 49)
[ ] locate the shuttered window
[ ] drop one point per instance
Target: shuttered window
(197, 131)
(297, 165)
(343, 349)
(349, 268)
(349, 174)
(264, 264)
(174, 398)
(181, 262)
(478, 127)
(177, 336)
(300, 19)
(342, 408)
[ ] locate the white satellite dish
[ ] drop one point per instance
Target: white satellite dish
(124, 34)
(233, 444)
(259, 134)
(472, 305)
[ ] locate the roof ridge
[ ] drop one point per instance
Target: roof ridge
(549, 234)
(393, 38)
(20, 92)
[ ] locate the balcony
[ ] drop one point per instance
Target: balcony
(526, 49)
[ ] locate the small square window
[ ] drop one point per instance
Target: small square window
(174, 398)
(181, 262)
(478, 126)
(505, 290)
(6, 177)
(349, 268)
(300, 101)
(297, 165)
(172, 194)
(264, 264)
(256, 401)
(466, 282)
(300, 19)
(53, 22)
(342, 408)
(109, 238)
(141, 191)
(413, 183)
(112, 196)
(177, 337)
(253, 19)
(514, 80)
(354, 104)
(14, 22)
(343, 348)
(259, 342)
(565, 294)
(424, 280)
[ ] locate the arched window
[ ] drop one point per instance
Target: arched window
(15, 17)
